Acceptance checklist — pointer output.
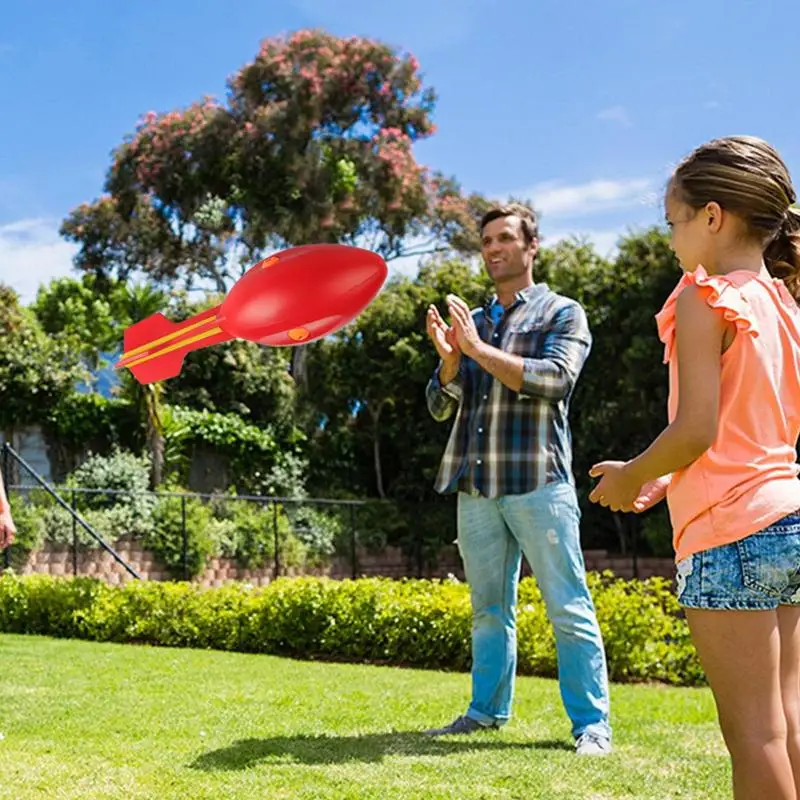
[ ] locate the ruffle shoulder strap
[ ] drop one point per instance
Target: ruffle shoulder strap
(719, 293)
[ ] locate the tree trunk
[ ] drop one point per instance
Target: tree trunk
(622, 533)
(155, 445)
(155, 434)
(376, 450)
(298, 365)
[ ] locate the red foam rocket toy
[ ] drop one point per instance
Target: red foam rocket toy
(291, 298)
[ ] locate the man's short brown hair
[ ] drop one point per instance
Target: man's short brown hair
(526, 215)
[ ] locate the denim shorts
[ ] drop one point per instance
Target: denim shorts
(757, 573)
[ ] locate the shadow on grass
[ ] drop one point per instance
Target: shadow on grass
(372, 747)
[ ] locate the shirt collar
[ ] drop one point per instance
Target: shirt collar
(522, 296)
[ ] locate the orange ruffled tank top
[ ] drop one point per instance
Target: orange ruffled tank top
(747, 479)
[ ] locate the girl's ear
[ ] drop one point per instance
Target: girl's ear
(713, 212)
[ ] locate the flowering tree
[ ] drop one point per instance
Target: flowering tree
(314, 144)
(36, 370)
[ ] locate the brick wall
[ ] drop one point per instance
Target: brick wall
(55, 559)
(622, 566)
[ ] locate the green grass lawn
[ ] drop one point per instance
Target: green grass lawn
(85, 720)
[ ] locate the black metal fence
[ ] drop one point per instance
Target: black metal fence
(9, 457)
(185, 535)
(187, 531)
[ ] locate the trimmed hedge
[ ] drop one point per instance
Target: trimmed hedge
(418, 623)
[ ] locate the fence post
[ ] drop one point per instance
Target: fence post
(419, 553)
(185, 537)
(277, 539)
(353, 542)
(74, 537)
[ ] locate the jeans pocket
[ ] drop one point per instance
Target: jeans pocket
(684, 568)
(771, 562)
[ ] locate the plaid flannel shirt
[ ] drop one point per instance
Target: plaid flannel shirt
(505, 442)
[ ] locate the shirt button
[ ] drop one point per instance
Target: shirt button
(486, 397)
(496, 335)
(478, 461)
(480, 430)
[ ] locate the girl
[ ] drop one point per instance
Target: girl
(727, 461)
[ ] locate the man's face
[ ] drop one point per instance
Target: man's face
(506, 254)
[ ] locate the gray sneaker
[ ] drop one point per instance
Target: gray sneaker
(590, 744)
(462, 724)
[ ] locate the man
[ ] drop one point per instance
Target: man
(508, 371)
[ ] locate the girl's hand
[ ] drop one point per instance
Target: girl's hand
(618, 488)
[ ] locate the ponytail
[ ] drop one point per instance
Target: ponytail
(782, 255)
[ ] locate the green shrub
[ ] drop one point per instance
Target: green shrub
(166, 539)
(88, 420)
(251, 535)
(241, 530)
(644, 632)
(108, 523)
(317, 529)
(31, 532)
(420, 623)
(110, 515)
(41, 604)
(121, 471)
(259, 465)
(245, 531)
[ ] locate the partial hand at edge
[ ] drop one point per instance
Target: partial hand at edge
(8, 530)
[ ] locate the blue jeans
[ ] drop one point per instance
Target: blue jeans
(492, 536)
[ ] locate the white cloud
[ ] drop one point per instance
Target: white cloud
(616, 114)
(604, 241)
(405, 265)
(33, 253)
(554, 199)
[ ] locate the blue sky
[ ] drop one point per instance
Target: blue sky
(582, 105)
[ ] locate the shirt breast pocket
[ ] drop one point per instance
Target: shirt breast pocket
(523, 339)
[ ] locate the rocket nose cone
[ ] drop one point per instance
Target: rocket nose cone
(296, 289)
